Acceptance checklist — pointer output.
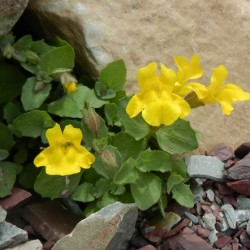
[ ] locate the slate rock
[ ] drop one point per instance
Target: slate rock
(50, 219)
(248, 227)
(230, 215)
(205, 166)
(192, 217)
(242, 150)
(184, 223)
(147, 247)
(240, 170)
(223, 188)
(10, 12)
(188, 240)
(222, 152)
(223, 241)
(245, 239)
(209, 221)
(243, 202)
(29, 245)
(11, 235)
(3, 214)
(242, 215)
(110, 228)
(240, 186)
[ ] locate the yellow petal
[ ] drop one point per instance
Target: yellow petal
(72, 134)
(145, 75)
(164, 109)
(218, 77)
(200, 90)
(135, 105)
(54, 134)
(84, 157)
(167, 78)
(70, 87)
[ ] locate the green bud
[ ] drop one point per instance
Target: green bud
(8, 51)
(91, 119)
(19, 56)
(32, 57)
(109, 159)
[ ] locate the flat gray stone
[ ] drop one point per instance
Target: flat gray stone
(210, 194)
(248, 227)
(242, 215)
(243, 202)
(213, 236)
(209, 221)
(230, 215)
(192, 217)
(110, 228)
(3, 214)
(11, 235)
(205, 166)
(29, 245)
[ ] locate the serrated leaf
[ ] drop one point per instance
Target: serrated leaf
(114, 75)
(71, 105)
(33, 123)
(8, 171)
(136, 127)
(147, 190)
(7, 141)
(173, 179)
(127, 173)
(12, 80)
(32, 99)
(155, 160)
(84, 193)
(122, 140)
(183, 195)
(177, 138)
(54, 186)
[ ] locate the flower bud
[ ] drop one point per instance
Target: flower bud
(32, 57)
(69, 83)
(109, 159)
(91, 119)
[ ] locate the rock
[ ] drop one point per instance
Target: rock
(10, 10)
(240, 170)
(243, 202)
(223, 188)
(222, 152)
(3, 214)
(177, 228)
(98, 38)
(192, 217)
(31, 245)
(213, 236)
(188, 240)
(205, 166)
(209, 221)
(138, 241)
(110, 228)
(204, 233)
(147, 247)
(245, 239)
(50, 219)
(223, 241)
(241, 186)
(230, 215)
(242, 150)
(170, 220)
(210, 195)
(11, 235)
(242, 215)
(17, 198)
(248, 227)
(153, 234)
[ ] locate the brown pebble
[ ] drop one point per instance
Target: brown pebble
(202, 232)
(48, 245)
(177, 228)
(223, 241)
(147, 247)
(245, 239)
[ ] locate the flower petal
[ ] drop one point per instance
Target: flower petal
(54, 134)
(167, 78)
(72, 134)
(84, 157)
(218, 77)
(145, 76)
(135, 105)
(200, 90)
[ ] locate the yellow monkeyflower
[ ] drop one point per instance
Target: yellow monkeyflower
(155, 100)
(70, 87)
(65, 155)
(223, 93)
(161, 97)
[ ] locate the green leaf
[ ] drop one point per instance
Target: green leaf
(173, 179)
(71, 105)
(32, 99)
(177, 138)
(147, 191)
(11, 111)
(183, 195)
(28, 176)
(84, 193)
(111, 114)
(3, 154)
(12, 80)
(23, 43)
(180, 168)
(122, 140)
(155, 160)
(54, 186)
(7, 141)
(33, 123)
(136, 127)
(127, 173)
(21, 155)
(103, 91)
(8, 171)
(114, 75)
(57, 58)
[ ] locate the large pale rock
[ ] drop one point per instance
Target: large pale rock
(10, 12)
(108, 229)
(143, 31)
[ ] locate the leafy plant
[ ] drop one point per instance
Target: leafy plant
(129, 146)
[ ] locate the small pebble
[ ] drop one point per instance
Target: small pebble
(210, 195)
(192, 217)
(209, 221)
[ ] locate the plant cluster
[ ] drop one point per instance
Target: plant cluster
(104, 146)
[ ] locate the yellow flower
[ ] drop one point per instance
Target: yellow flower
(65, 155)
(70, 87)
(223, 93)
(155, 100)
(161, 97)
